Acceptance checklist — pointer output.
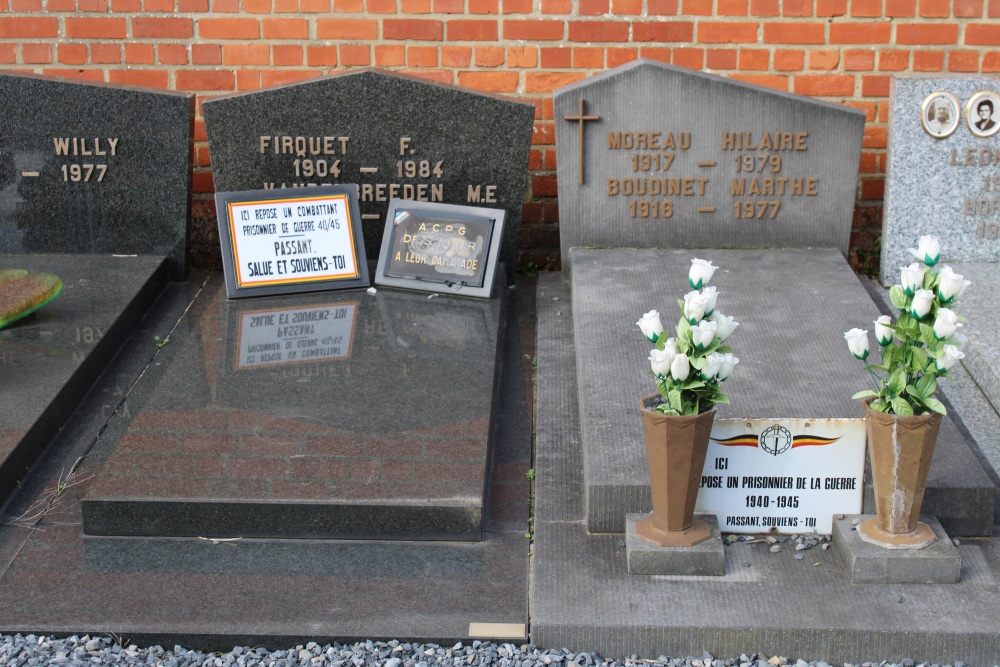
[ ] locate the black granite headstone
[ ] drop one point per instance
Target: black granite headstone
(393, 135)
(94, 168)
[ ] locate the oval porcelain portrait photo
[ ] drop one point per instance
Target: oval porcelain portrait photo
(940, 114)
(982, 113)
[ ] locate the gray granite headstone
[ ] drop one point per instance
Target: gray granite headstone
(655, 155)
(94, 168)
(948, 187)
(393, 135)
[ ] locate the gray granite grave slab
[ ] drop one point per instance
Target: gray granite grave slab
(945, 187)
(866, 563)
(663, 158)
(94, 168)
(395, 136)
(773, 603)
(339, 414)
(793, 306)
(50, 359)
(316, 590)
(706, 558)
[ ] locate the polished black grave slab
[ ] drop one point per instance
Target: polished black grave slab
(50, 359)
(334, 415)
(216, 594)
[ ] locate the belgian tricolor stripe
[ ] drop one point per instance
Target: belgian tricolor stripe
(748, 440)
(811, 441)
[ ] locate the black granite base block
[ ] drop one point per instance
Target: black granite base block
(281, 520)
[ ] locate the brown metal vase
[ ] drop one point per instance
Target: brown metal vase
(900, 451)
(675, 454)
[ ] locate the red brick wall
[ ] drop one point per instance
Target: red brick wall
(841, 50)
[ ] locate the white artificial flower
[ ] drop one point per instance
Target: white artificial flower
(949, 358)
(912, 278)
(670, 345)
(928, 250)
(695, 305)
(660, 361)
(857, 342)
(724, 325)
(726, 369)
(680, 368)
(713, 363)
(952, 285)
(700, 273)
(702, 334)
(710, 294)
(651, 325)
(945, 324)
(883, 334)
(922, 300)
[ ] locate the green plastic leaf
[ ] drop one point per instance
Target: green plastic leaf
(864, 394)
(935, 405)
(878, 405)
(901, 407)
(927, 334)
(721, 398)
(898, 297)
(897, 382)
(911, 390)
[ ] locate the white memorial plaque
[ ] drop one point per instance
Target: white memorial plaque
(295, 335)
(285, 241)
(783, 475)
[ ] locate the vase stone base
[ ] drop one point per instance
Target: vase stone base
(706, 558)
(921, 537)
(698, 532)
(868, 563)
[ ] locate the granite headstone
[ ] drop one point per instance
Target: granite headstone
(948, 186)
(393, 135)
(655, 155)
(94, 168)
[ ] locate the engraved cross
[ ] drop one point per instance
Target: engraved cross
(581, 118)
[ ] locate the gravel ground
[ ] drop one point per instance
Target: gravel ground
(31, 650)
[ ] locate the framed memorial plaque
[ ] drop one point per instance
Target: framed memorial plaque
(440, 248)
(291, 240)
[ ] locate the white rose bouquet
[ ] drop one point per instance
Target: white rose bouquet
(688, 368)
(923, 344)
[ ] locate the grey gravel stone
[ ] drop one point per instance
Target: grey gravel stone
(86, 651)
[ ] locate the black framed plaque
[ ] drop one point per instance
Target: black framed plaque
(291, 240)
(440, 248)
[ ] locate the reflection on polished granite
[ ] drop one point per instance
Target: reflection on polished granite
(50, 359)
(336, 414)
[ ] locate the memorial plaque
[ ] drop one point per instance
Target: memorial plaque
(941, 182)
(283, 242)
(440, 248)
(393, 135)
(94, 168)
(783, 475)
(655, 155)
